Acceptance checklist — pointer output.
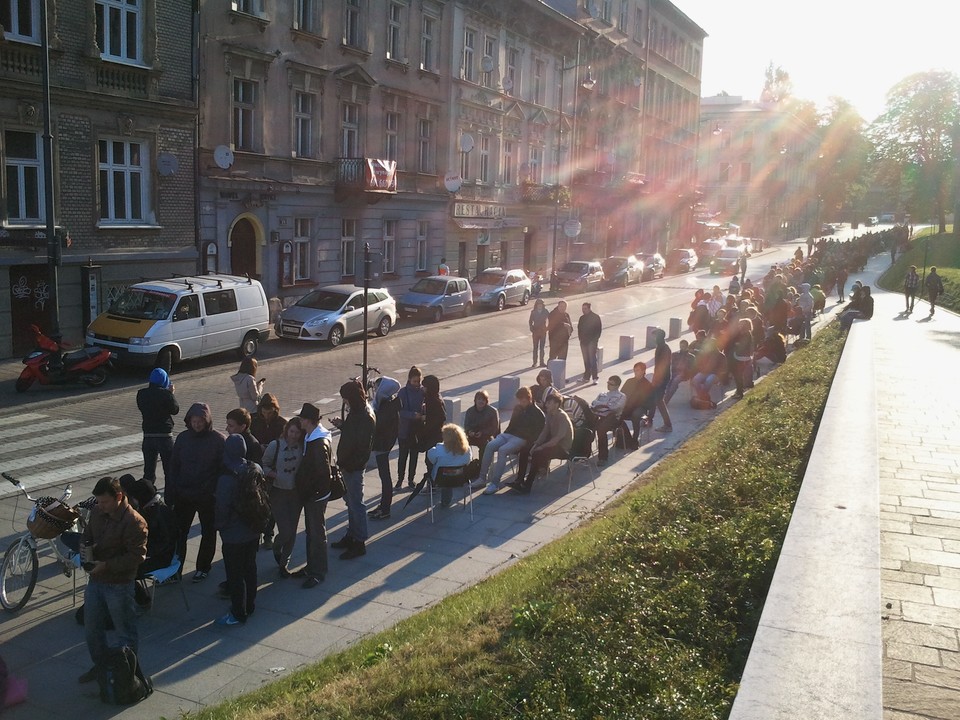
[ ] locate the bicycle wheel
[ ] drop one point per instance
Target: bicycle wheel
(18, 574)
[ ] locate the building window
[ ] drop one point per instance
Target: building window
(307, 16)
(353, 24)
(303, 124)
(122, 181)
(512, 78)
(489, 51)
(395, 32)
(428, 45)
(302, 233)
(624, 19)
(639, 31)
(423, 228)
(748, 140)
(119, 33)
(539, 81)
(469, 72)
(536, 164)
(20, 20)
(391, 141)
(348, 246)
(465, 166)
(606, 11)
(724, 173)
(210, 258)
(484, 175)
(244, 114)
(24, 172)
(389, 246)
(425, 145)
(508, 168)
(250, 7)
(349, 130)
(745, 172)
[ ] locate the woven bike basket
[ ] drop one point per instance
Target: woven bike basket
(49, 519)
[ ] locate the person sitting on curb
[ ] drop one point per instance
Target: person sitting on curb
(862, 311)
(554, 441)
(607, 407)
(525, 425)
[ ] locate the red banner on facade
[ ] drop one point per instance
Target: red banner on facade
(380, 176)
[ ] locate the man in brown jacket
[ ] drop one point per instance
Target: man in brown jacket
(114, 545)
(554, 441)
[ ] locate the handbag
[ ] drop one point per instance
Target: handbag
(337, 488)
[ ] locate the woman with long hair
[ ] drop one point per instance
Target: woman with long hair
(247, 386)
(452, 451)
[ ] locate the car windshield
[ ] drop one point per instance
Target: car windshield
(678, 255)
(729, 253)
(490, 278)
(323, 300)
(143, 304)
(574, 267)
(614, 263)
(430, 286)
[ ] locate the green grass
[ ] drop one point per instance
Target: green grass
(648, 611)
(940, 250)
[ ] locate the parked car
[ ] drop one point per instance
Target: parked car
(437, 296)
(888, 218)
(620, 271)
(740, 243)
(335, 312)
(496, 288)
(653, 265)
(580, 275)
(872, 220)
(726, 262)
(681, 260)
(708, 248)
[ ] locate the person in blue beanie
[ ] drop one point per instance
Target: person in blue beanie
(157, 405)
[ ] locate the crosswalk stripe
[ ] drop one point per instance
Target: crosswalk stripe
(38, 428)
(18, 419)
(58, 438)
(80, 450)
(103, 466)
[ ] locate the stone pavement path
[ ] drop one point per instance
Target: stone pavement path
(919, 444)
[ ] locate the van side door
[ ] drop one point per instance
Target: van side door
(220, 321)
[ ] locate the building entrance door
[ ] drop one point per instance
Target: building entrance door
(243, 249)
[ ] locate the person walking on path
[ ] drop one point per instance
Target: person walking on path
(841, 283)
(934, 285)
(911, 283)
(662, 363)
(157, 406)
(194, 469)
(559, 330)
(312, 483)
(353, 451)
(115, 542)
(589, 329)
(411, 420)
(281, 458)
(247, 386)
(386, 410)
(538, 330)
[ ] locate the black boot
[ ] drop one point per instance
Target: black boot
(355, 550)
(342, 543)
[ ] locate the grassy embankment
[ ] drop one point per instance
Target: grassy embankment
(942, 251)
(648, 611)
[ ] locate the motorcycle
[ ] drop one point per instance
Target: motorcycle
(53, 363)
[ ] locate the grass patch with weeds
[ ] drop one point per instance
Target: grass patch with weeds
(648, 611)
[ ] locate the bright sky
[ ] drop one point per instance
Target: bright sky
(857, 49)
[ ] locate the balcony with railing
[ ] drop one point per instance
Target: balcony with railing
(366, 176)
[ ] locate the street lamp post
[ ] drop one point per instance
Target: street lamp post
(53, 246)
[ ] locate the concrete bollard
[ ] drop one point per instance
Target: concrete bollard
(599, 358)
(509, 384)
(452, 408)
(626, 347)
(675, 328)
(651, 337)
(559, 370)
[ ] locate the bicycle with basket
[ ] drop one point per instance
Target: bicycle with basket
(49, 520)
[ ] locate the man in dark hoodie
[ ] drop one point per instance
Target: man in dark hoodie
(194, 468)
(239, 540)
(353, 451)
(157, 406)
(312, 483)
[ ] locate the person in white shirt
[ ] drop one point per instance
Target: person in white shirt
(607, 407)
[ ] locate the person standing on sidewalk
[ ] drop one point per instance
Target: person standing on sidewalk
(911, 283)
(934, 286)
(312, 483)
(539, 317)
(115, 542)
(559, 330)
(842, 282)
(589, 329)
(353, 451)
(247, 386)
(386, 410)
(281, 459)
(157, 406)
(662, 364)
(411, 419)
(267, 424)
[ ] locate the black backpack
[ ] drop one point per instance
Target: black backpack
(121, 679)
(253, 503)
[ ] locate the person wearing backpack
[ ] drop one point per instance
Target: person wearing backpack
(312, 483)
(239, 530)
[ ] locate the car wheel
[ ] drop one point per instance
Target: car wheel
(467, 309)
(525, 299)
(383, 327)
(249, 345)
(438, 315)
(501, 302)
(336, 336)
(165, 359)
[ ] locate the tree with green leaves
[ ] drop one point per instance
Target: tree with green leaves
(842, 164)
(914, 139)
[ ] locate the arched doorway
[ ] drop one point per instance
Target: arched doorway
(243, 249)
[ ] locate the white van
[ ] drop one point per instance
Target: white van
(160, 322)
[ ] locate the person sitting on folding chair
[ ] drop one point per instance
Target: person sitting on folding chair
(454, 451)
(607, 407)
(554, 441)
(162, 530)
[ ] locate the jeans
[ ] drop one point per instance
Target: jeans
(503, 445)
(185, 509)
(911, 297)
(240, 564)
(589, 352)
(286, 507)
(672, 387)
(805, 332)
(702, 382)
(356, 512)
(313, 515)
(152, 448)
(386, 483)
(540, 459)
(103, 600)
(539, 345)
(605, 424)
(407, 448)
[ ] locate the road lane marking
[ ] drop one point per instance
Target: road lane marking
(38, 428)
(49, 457)
(102, 467)
(18, 419)
(56, 439)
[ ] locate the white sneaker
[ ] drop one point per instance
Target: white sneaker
(492, 487)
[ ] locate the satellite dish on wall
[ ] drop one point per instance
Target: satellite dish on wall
(223, 157)
(507, 84)
(487, 64)
(452, 182)
(466, 142)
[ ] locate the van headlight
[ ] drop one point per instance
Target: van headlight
(138, 341)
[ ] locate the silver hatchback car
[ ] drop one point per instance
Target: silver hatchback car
(496, 288)
(335, 312)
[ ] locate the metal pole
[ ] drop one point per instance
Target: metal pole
(53, 246)
(552, 246)
(366, 290)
